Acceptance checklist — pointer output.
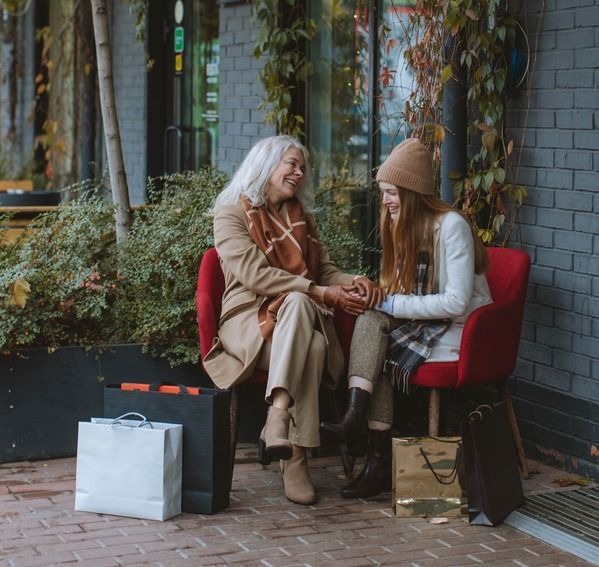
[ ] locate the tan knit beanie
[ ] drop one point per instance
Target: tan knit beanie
(409, 165)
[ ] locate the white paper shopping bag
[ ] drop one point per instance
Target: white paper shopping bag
(129, 468)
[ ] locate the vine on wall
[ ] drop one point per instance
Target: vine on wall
(481, 33)
(484, 193)
(280, 38)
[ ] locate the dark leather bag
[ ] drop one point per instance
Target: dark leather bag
(205, 420)
(492, 476)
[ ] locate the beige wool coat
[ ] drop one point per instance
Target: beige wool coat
(249, 280)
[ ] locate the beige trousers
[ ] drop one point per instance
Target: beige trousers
(295, 360)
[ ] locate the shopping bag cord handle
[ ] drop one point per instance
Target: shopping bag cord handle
(443, 478)
(144, 420)
(479, 411)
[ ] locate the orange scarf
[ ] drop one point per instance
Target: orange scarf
(290, 244)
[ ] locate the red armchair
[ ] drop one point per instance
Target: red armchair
(488, 352)
(489, 347)
(209, 292)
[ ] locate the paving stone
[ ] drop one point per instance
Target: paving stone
(38, 526)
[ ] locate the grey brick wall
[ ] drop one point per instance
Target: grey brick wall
(557, 379)
(130, 83)
(240, 123)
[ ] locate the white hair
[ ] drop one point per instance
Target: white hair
(252, 176)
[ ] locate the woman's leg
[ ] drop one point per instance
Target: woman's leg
(296, 357)
(304, 425)
(296, 363)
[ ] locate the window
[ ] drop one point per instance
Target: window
(356, 94)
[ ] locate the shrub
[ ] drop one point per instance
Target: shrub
(66, 260)
(65, 282)
(159, 265)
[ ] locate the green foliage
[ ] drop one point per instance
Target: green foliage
(481, 33)
(65, 281)
(159, 266)
(281, 35)
(69, 258)
(483, 193)
(139, 8)
(334, 220)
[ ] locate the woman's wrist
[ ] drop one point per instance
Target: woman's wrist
(316, 291)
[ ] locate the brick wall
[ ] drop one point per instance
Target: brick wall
(130, 83)
(557, 379)
(240, 123)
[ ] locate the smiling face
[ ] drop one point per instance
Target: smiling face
(287, 177)
(390, 198)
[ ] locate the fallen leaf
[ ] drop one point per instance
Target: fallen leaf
(571, 481)
(18, 292)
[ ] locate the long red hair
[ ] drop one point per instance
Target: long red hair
(412, 233)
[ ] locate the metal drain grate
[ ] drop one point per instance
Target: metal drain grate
(567, 519)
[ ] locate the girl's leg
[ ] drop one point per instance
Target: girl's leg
(367, 357)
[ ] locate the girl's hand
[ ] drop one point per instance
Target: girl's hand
(369, 291)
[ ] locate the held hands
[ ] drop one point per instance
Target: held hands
(369, 291)
(339, 296)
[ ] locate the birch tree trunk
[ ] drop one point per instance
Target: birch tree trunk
(112, 137)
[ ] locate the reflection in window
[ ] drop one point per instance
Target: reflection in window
(338, 94)
(200, 104)
(353, 104)
(395, 78)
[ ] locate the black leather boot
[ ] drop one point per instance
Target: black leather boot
(375, 477)
(353, 429)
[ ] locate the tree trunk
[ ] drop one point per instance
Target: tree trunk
(112, 137)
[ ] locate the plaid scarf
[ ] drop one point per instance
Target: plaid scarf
(411, 343)
(289, 242)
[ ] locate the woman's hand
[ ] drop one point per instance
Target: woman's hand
(369, 291)
(338, 296)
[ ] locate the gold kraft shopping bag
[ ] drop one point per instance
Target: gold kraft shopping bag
(426, 473)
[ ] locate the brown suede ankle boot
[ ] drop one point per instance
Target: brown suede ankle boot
(274, 439)
(296, 478)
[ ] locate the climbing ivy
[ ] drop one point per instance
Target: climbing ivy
(482, 33)
(281, 40)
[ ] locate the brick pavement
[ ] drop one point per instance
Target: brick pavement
(38, 526)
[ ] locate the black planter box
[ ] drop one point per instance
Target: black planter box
(43, 395)
(19, 198)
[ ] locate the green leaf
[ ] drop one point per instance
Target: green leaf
(446, 74)
(499, 175)
(498, 222)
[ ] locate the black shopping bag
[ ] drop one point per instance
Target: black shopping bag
(493, 484)
(205, 419)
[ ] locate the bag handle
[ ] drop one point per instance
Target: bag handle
(479, 412)
(144, 420)
(445, 478)
(155, 385)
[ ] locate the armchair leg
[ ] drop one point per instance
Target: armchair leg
(434, 408)
(505, 395)
(233, 426)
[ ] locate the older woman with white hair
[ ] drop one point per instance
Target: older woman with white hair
(280, 291)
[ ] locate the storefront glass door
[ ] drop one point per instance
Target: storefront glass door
(191, 134)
